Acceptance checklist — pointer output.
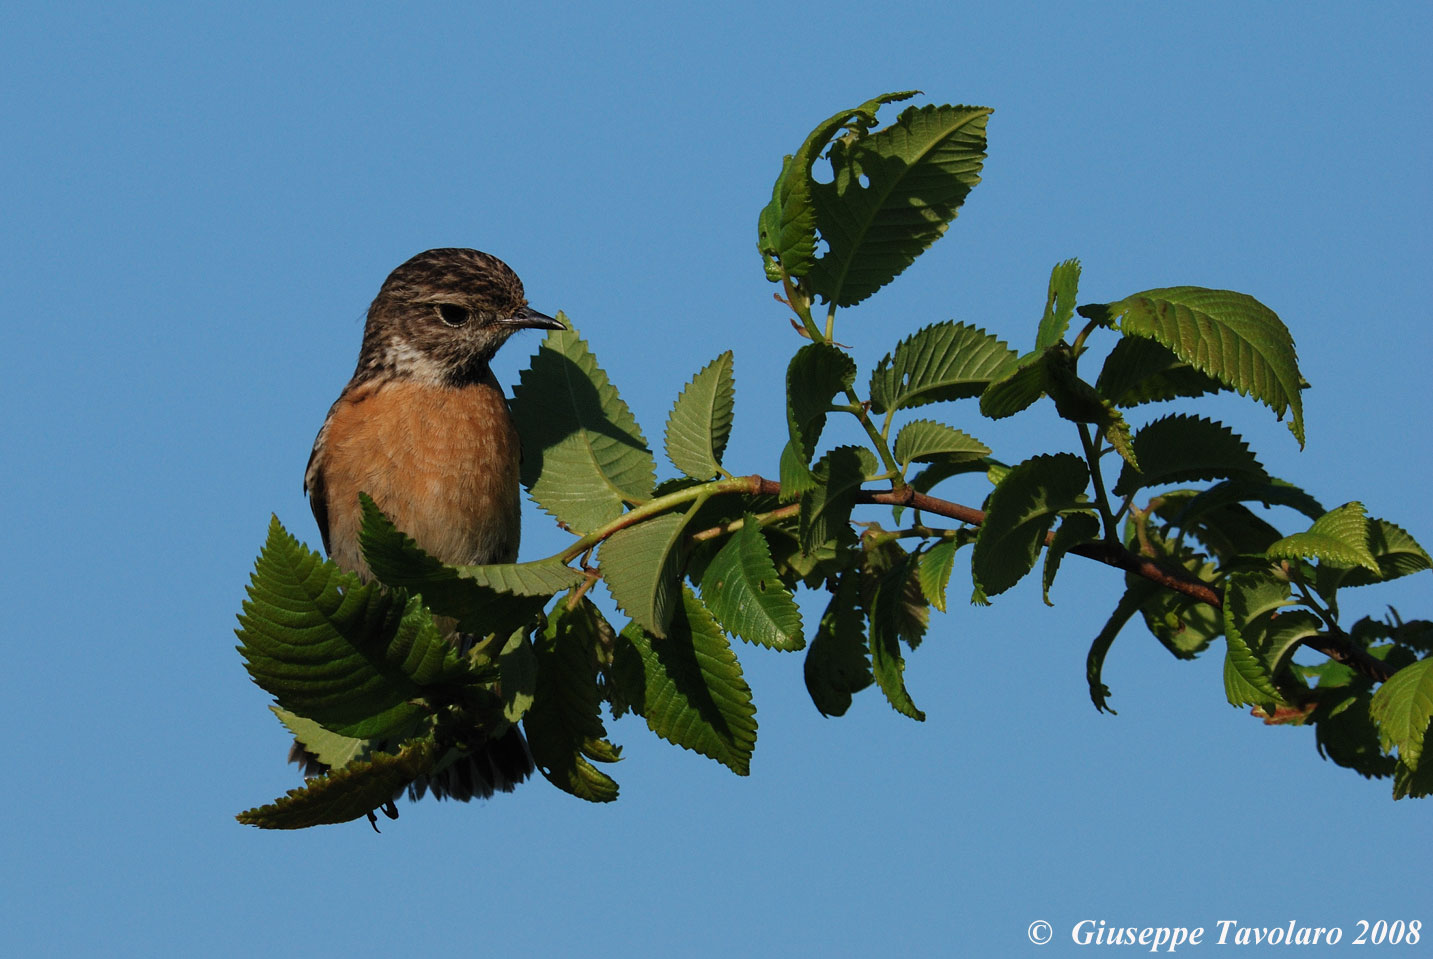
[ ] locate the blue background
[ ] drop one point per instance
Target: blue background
(199, 205)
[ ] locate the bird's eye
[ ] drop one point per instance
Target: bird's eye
(452, 315)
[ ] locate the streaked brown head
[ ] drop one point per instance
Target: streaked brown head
(442, 315)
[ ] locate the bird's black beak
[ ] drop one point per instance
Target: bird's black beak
(529, 319)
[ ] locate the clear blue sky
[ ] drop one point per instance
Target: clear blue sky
(199, 205)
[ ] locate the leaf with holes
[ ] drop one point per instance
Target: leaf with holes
(583, 456)
(700, 422)
(946, 361)
(786, 228)
(895, 191)
(1059, 304)
(1230, 336)
(742, 590)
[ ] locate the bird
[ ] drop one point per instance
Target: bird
(423, 428)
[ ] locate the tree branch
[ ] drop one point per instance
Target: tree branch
(1337, 648)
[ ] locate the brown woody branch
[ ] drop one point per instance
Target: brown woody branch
(1336, 647)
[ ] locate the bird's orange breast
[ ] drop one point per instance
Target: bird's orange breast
(441, 462)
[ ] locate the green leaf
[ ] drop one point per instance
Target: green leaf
(1019, 387)
(693, 691)
(894, 193)
(348, 793)
(350, 657)
(887, 628)
(1339, 538)
(583, 455)
(796, 477)
(1074, 529)
(816, 373)
(936, 564)
(926, 441)
(1180, 448)
(564, 726)
(641, 566)
(333, 750)
(1402, 707)
(1412, 783)
(1183, 626)
(700, 422)
(742, 590)
(1059, 305)
(1141, 371)
(946, 361)
(786, 228)
(836, 661)
(1251, 604)
(1134, 597)
(1396, 552)
(517, 664)
(826, 510)
(482, 600)
(1230, 336)
(1271, 492)
(1019, 514)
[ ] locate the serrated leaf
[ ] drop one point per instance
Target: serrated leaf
(1251, 601)
(837, 663)
(936, 564)
(1271, 492)
(1180, 448)
(886, 619)
(1019, 387)
(1074, 529)
(1412, 783)
(641, 566)
(333, 750)
(786, 228)
(1182, 625)
(700, 422)
(826, 509)
(1402, 708)
(796, 477)
(743, 592)
(564, 726)
(945, 361)
(1339, 538)
(1019, 514)
(1059, 304)
(693, 691)
(348, 793)
(925, 441)
(1134, 597)
(895, 191)
(1395, 551)
(1141, 371)
(517, 664)
(816, 373)
(351, 657)
(1230, 336)
(583, 456)
(482, 600)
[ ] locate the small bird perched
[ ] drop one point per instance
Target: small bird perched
(423, 428)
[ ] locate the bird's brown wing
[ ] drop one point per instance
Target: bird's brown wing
(314, 486)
